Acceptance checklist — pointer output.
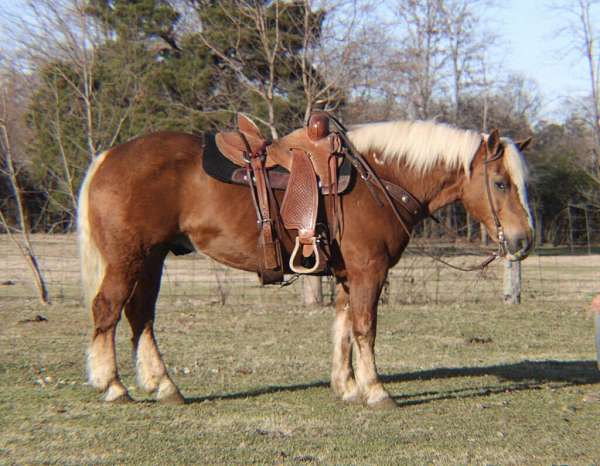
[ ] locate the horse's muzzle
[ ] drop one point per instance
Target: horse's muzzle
(518, 247)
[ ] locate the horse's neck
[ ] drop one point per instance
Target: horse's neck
(435, 189)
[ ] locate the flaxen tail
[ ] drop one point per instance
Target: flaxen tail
(92, 262)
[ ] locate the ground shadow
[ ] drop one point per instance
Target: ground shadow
(524, 375)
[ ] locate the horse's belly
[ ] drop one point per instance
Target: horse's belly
(220, 221)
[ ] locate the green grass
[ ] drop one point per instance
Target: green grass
(475, 383)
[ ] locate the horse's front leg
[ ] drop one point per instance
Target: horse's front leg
(342, 375)
(364, 296)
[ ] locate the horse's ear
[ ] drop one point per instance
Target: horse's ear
(247, 126)
(524, 144)
(493, 142)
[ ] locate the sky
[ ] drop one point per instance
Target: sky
(533, 47)
(529, 44)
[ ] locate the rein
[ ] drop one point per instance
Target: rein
(502, 247)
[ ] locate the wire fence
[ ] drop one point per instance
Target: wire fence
(554, 275)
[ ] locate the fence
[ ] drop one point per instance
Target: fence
(195, 280)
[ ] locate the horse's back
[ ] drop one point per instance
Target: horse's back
(145, 155)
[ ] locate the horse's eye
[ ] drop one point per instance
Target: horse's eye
(501, 185)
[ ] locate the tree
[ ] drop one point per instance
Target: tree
(580, 18)
(19, 231)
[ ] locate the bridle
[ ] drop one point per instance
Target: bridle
(502, 243)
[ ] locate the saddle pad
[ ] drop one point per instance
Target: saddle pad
(218, 166)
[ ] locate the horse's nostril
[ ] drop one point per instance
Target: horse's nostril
(519, 245)
(525, 245)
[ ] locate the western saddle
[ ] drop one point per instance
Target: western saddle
(313, 156)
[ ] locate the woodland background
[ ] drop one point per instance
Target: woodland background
(78, 77)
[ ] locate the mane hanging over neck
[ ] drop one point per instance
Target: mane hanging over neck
(424, 144)
(421, 144)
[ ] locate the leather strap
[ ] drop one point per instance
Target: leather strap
(406, 200)
(270, 268)
(279, 180)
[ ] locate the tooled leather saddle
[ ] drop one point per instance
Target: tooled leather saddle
(305, 163)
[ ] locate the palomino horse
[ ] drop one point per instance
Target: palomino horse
(145, 197)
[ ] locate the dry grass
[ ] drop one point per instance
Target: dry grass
(475, 384)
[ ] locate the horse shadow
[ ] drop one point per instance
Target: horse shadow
(514, 377)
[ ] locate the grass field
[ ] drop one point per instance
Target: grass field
(475, 384)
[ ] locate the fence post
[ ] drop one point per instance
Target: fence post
(512, 282)
(312, 290)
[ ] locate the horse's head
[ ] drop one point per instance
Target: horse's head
(495, 193)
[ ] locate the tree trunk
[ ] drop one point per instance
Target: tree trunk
(469, 227)
(539, 227)
(570, 233)
(588, 232)
(24, 245)
(38, 278)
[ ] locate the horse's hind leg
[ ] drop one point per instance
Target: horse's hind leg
(152, 374)
(342, 375)
(117, 286)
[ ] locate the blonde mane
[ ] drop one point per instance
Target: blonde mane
(421, 144)
(424, 144)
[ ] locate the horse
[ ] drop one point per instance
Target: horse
(146, 197)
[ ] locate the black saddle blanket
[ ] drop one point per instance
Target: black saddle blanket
(218, 166)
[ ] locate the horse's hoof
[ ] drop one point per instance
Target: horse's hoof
(385, 404)
(174, 398)
(352, 397)
(117, 393)
(121, 399)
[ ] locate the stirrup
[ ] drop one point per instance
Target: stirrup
(298, 254)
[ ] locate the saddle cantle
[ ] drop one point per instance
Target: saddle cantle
(237, 145)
